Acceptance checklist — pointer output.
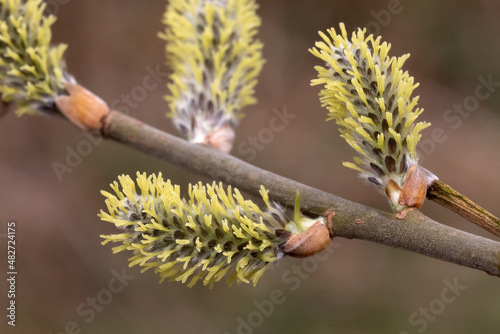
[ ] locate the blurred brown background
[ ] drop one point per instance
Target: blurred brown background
(361, 287)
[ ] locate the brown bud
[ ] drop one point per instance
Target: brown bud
(316, 238)
(414, 188)
(82, 107)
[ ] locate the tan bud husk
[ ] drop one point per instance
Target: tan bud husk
(82, 107)
(312, 241)
(414, 188)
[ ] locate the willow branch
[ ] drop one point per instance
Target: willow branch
(415, 232)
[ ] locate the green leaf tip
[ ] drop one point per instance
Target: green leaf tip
(370, 97)
(215, 59)
(32, 72)
(212, 232)
(296, 211)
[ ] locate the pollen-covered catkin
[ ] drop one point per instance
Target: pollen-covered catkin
(32, 72)
(215, 59)
(369, 96)
(211, 233)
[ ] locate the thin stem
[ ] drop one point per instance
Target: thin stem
(448, 197)
(415, 232)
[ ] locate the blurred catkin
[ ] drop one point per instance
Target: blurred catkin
(215, 60)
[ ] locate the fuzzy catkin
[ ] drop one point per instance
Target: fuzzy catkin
(215, 59)
(369, 96)
(32, 72)
(211, 233)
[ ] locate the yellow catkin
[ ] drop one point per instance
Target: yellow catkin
(32, 72)
(370, 97)
(184, 240)
(215, 60)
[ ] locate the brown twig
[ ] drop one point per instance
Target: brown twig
(448, 197)
(416, 232)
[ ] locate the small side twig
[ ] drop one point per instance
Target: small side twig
(448, 197)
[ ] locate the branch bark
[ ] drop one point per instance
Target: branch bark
(415, 232)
